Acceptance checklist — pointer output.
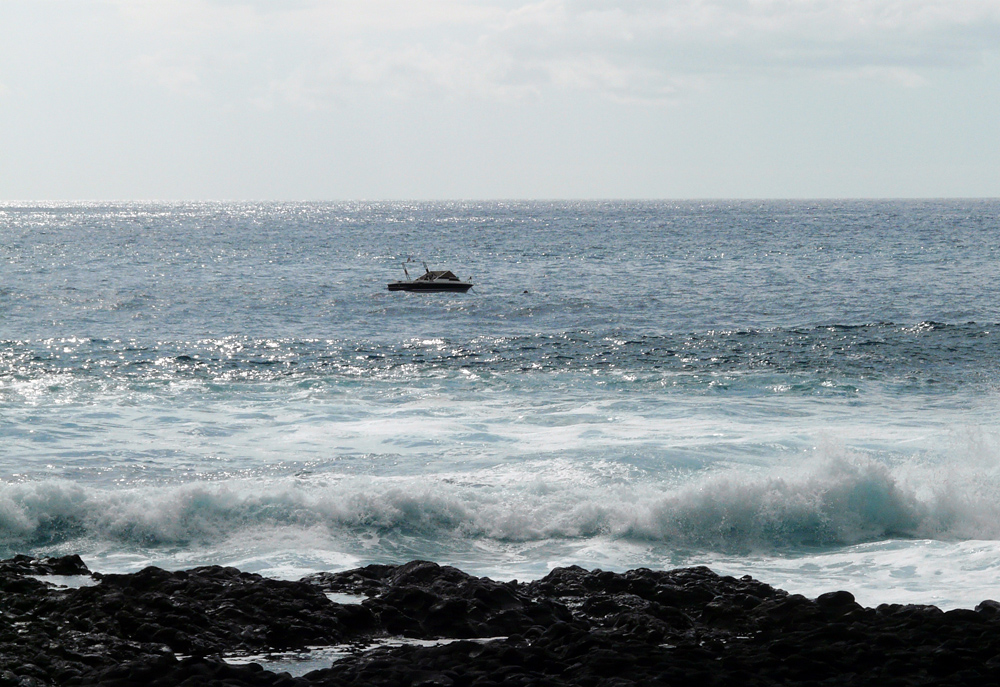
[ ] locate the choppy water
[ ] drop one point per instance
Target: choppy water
(802, 391)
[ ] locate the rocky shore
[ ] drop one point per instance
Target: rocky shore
(573, 627)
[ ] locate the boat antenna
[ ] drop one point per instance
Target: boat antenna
(405, 271)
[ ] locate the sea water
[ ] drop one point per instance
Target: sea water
(805, 392)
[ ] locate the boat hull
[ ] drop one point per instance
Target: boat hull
(430, 286)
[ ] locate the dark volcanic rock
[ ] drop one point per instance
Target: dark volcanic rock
(425, 600)
(573, 627)
(26, 565)
(67, 636)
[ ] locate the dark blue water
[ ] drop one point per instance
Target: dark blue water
(151, 271)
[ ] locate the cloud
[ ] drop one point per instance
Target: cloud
(310, 53)
(169, 71)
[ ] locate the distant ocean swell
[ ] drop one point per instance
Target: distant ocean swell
(929, 351)
(843, 501)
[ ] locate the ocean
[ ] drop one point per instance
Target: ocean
(802, 391)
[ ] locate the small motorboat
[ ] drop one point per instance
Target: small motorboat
(430, 281)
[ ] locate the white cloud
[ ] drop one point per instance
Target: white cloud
(907, 78)
(169, 71)
(312, 53)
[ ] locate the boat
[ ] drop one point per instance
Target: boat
(431, 281)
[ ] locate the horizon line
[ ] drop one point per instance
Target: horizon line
(608, 199)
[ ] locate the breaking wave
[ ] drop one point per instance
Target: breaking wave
(841, 502)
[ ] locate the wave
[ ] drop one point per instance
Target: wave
(928, 354)
(843, 501)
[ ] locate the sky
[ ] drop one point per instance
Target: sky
(494, 99)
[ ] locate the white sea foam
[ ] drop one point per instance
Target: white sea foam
(839, 500)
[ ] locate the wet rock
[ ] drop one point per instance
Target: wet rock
(572, 627)
(28, 565)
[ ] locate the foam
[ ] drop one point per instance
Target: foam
(838, 500)
(948, 574)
